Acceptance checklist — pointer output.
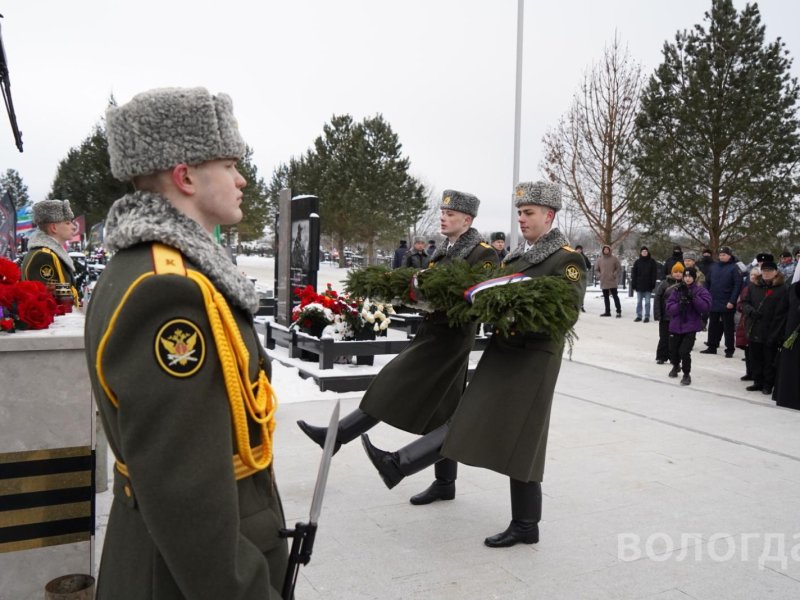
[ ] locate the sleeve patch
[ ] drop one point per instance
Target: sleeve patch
(572, 272)
(47, 272)
(180, 348)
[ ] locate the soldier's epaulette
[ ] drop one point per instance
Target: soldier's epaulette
(167, 260)
(485, 245)
(568, 248)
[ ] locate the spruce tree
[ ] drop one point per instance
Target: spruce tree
(717, 133)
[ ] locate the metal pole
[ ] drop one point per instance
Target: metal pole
(517, 119)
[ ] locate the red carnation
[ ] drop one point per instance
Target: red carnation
(35, 314)
(9, 272)
(7, 324)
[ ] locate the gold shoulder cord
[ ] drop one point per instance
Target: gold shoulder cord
(256, 399)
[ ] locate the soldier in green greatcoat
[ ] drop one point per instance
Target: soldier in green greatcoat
(407, 393)
(502, 420)
(177, 370)
(47, 260)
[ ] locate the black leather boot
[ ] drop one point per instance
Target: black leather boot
(350, 427)
(443, 488)
(526, 512)
(410, 459)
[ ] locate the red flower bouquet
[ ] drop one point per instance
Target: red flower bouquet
(24, 304)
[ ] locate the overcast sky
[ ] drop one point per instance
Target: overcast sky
(442, 72)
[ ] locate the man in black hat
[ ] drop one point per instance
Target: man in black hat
(724, 283)
(400, 254)
(787, 266)
(47, 260)
(498, 242)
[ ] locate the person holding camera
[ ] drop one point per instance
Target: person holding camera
(685, 307)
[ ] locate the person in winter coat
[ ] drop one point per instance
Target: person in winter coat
(663, 290)
(677, 256)
(643, 282)
(724, 283)
(690, 261)
(608, 269)
(431, 247)
(408, 393)
(400, 254)
(498, 241)
(685, 305)
(787, 386)
(704, 265)
(767, 318)
(502, 421)
(417, 257)
(742, 325)
(787, 266)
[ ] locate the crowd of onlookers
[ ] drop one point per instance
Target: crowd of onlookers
(752, 307)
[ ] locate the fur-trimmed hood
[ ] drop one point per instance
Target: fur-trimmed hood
(541, 249)
(39, 239)
(461, 249)
(147, 217)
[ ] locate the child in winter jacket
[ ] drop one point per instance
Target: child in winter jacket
(663, 290)
(685, 307)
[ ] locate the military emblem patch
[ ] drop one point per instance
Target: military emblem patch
(47, 272)
(572, 273)
(180, 348)
(520, 192)
(446, 200)
(488, 264)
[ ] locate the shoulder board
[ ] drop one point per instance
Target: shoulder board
(568, 248)
(167, 261)
(485, 245)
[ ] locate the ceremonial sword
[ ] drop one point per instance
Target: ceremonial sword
(304, 533)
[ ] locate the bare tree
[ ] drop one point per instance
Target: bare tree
(570, 219)
(587, 153)
(428, 223)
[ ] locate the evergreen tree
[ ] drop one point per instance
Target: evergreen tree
(12, 183)
(84, 178)
(358, 172)
(719, 151)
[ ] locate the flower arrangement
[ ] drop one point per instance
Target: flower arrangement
(24, 304)
(348, 317)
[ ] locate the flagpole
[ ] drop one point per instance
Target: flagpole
(517, 120)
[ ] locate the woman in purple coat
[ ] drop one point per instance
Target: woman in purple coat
(685, 305)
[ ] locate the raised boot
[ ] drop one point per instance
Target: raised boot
(350, 427)
(443, 488)
(410, 459)
(526, 512)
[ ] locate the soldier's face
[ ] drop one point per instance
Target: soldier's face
(534, 221)
(218, 193)
(499, 245)
(453, 222)
(63, 230)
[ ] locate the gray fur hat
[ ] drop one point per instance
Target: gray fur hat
(52, 211)
(460, 201)
(541, 193)
(161, 128)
